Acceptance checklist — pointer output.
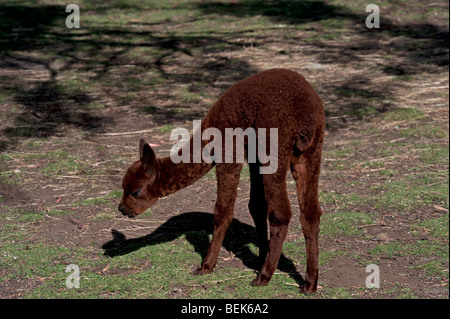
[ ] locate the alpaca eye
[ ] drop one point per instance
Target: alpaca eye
(136, 193)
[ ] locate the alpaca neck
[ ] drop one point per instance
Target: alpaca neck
(174, 176)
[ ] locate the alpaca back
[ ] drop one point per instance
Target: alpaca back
(276, 98)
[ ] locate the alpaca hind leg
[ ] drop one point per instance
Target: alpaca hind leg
(227, 183)
(305, 170)
(279, 215)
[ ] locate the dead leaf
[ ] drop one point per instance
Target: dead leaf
(440, 209)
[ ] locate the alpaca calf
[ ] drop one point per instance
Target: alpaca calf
(274, 99)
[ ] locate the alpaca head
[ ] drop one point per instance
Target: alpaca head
(139, 189)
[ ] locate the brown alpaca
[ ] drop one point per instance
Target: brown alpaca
(276, 98)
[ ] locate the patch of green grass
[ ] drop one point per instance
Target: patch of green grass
(147, 213)
(166, 128)
(29, 217)
(402, 292)
(145, 80)
(404, 78)
(412, 192)
(19, 217)
(389, 172)
(176, 110)
(425, 131)
(149, 109)
(339, 165)
(38, 260)
(344, 224)
(434, 154)
(401, 249)
(435, 227)
(430, 153)
(14, 177)
(343, 202)
(402, 114)
(23, 131)
(343, 152)
(344, 92)
(190, 97)
(73, 85)
(330, 29)
(159, 270)
(337, 292)
(103, 216)
(68, 165)
(211, 175)
(29, 156)
(163, 270)
(115, 194)
(354, 92)
(373, 164)
(58, 154)
(4, 96)
(338, 159)
(31, 144)
(95, 106)
(58, 212)
(436, 267)
(435, 252)
(19, 220)
(245, 173)
(361, 111)
(129, 96)
(392, 148)
(296, 250)
(13, 232)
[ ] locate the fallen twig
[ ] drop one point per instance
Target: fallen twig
(126, 133)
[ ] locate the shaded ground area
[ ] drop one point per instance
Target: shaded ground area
(74, 103)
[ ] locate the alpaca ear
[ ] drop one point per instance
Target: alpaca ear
(147, 156)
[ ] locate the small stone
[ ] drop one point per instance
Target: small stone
(315, 66)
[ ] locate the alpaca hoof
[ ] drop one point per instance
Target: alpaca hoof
(201, 271)
(307, 291)
(257, 282)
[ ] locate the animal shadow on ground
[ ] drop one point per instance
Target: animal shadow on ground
(197, 226)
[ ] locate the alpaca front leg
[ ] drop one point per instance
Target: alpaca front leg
(222, 219)
(227, 183)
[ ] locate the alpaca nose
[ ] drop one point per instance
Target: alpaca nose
(121, 209)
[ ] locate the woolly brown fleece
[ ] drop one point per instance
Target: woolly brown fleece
(276, 98)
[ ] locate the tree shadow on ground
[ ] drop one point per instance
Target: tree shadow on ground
(196, 227)
(49, 107)
(180, 59)
(425, 43)
(292, 12)
(35, 41)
